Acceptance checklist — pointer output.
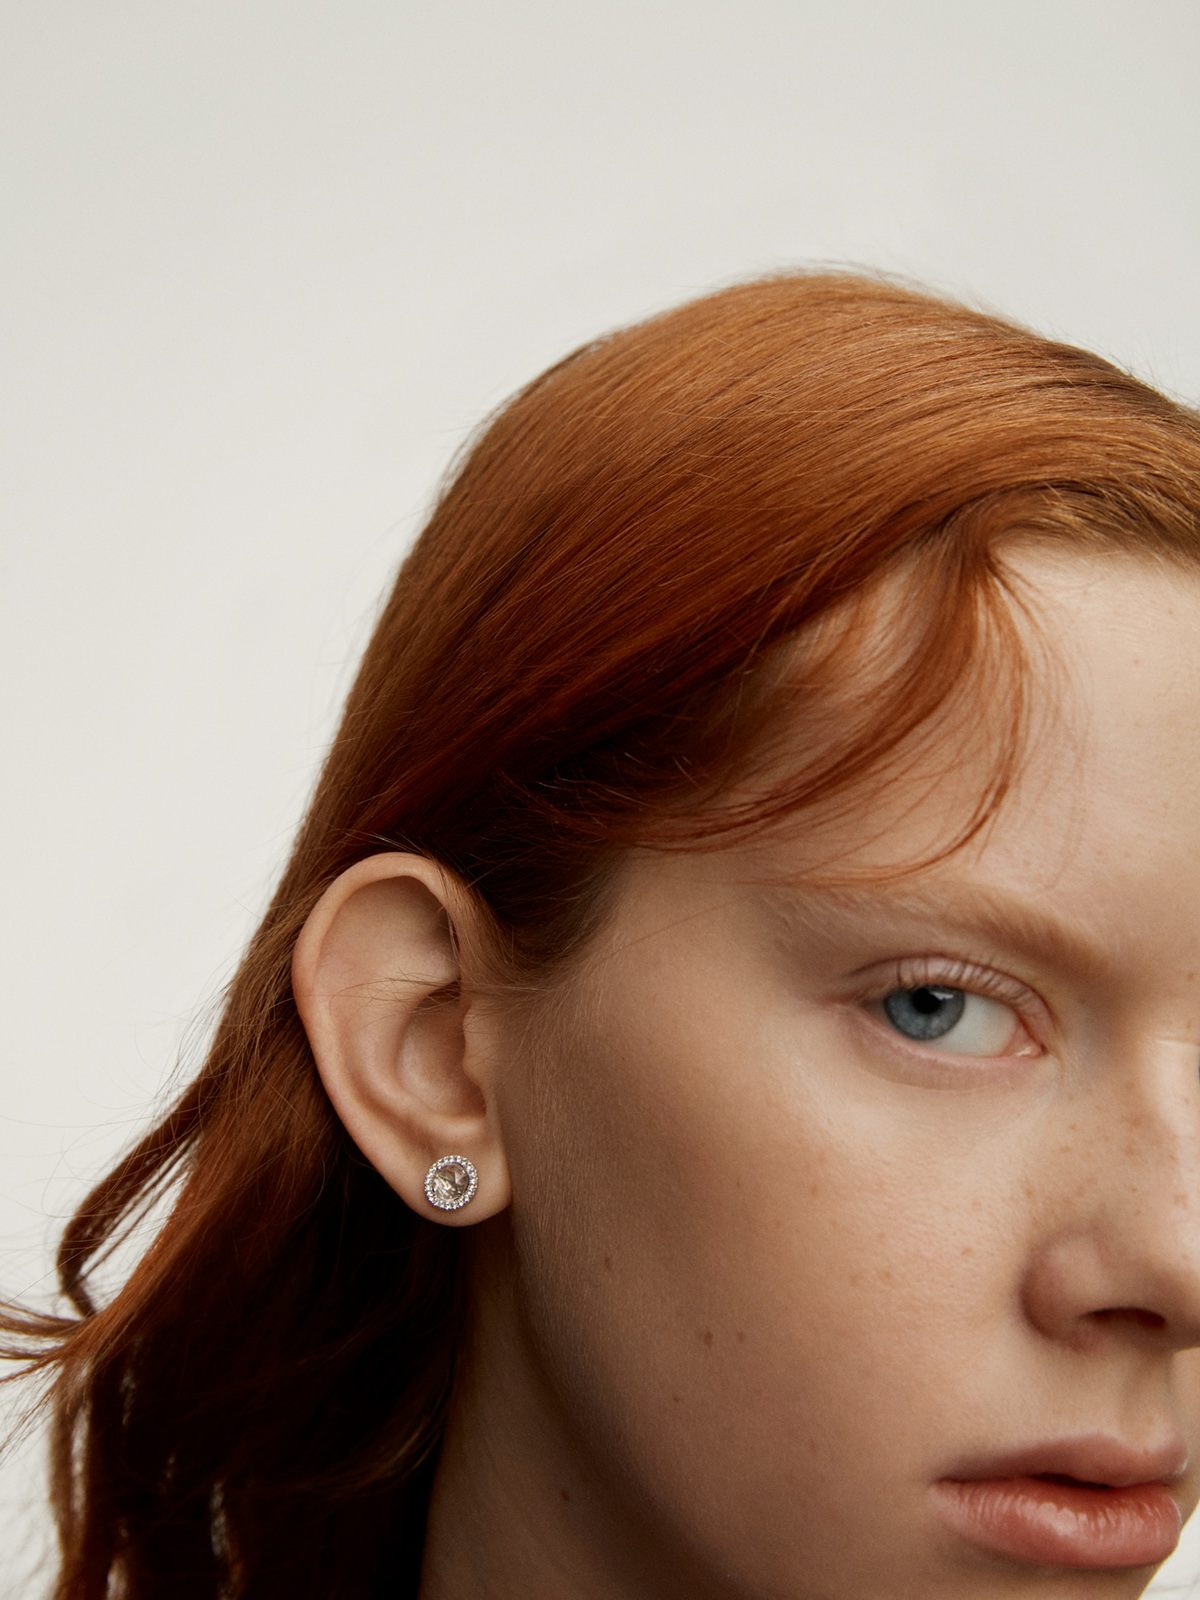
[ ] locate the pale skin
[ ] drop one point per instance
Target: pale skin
(756, 1269)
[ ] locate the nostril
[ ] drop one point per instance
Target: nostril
(1135, 1314)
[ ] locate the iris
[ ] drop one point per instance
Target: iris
(927, 1012)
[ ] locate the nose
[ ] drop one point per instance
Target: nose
(1119, 1258)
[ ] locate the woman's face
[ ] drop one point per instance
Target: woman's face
(830, 1203)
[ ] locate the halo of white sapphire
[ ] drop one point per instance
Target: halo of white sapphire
(450, 1183)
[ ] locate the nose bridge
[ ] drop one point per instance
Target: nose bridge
(1123, 1246)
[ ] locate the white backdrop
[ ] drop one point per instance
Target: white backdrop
(266, 261)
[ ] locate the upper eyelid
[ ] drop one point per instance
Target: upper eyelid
(910, 972)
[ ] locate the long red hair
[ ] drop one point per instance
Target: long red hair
(579, 654)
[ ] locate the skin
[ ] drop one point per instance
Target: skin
(752, 1270)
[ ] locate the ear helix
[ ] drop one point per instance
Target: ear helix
(451, 1183)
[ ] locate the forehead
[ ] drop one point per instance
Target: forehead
(1111, 776)
(1111, 751)
(1097, 845)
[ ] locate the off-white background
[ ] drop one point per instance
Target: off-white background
(265, 263)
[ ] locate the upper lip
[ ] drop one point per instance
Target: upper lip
(1088, 1458)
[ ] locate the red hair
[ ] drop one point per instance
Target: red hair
(580, 653)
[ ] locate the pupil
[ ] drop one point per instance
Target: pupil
(926, 1012)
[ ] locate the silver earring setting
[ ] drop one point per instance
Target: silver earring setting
(451, 1183)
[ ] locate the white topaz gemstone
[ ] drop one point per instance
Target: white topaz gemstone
(450, 1183)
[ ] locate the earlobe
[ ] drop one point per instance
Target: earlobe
(404, 1048)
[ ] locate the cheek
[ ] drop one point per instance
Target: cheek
(1186, 1374)
(738, 1272)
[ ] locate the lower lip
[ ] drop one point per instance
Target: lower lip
(1064, 1524)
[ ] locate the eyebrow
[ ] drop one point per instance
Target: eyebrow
(1006, 921)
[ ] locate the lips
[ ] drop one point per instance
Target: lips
(1082, 1503)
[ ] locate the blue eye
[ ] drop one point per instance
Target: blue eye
(954, 1020)
(925, 1013)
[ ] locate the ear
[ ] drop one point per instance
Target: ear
(405, 1053)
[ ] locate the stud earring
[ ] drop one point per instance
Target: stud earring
(450, 1183)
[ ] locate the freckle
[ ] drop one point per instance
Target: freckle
(565, 1495)
(741, 1338)
(708, 1335)
(814, 1189)
(608, 1263)
(884, 1275)
(967, 1251)
(853, 1279)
